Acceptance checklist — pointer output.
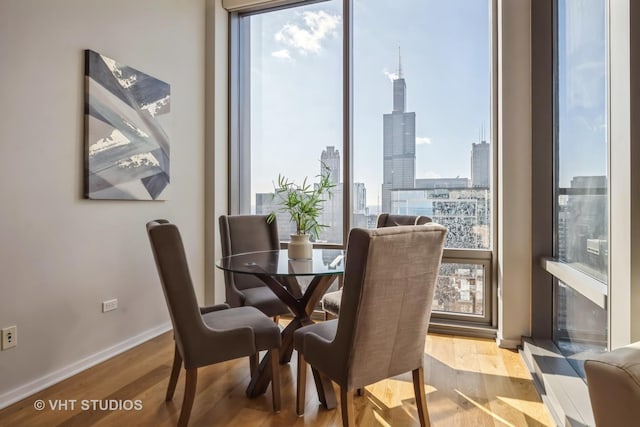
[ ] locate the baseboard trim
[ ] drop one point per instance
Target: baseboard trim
(462, 329)
(26, 390)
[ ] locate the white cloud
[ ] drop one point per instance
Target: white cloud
(421, 140)
(281, 54)
(390, 76)
(308, 37)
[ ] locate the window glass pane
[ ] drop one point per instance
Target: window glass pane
(292, 63)
(581, 144)
(422, 115)
(580, 326)
(460, 289)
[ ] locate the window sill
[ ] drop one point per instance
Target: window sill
(563, 391)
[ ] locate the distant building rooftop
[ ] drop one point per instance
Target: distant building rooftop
(428, 183)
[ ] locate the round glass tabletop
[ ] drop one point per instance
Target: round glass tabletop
(277, 263)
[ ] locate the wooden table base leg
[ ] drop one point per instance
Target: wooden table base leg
(326, 393)
(302, 307)
(261, 378)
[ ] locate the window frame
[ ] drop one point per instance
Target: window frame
(484, 325)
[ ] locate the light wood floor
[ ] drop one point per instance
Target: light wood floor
(470, 382)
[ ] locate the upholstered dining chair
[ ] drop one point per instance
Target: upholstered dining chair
(613, 379)
(389, 283)
(330, 302)
(205, 335)
(250, 233)
(391, 220)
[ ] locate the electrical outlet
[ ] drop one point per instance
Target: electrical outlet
(109, 305)
(9, 337)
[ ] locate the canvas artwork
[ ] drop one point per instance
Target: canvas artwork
(127, 150)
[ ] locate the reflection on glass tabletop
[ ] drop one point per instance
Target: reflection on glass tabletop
(277, 263)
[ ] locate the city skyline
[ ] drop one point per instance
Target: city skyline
(296, 89)
(461, 203)
(399, 160)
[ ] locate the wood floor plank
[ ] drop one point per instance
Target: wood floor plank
(468, 382)
(472, 395)
(525, 398)
(443, 401)
(497, 384)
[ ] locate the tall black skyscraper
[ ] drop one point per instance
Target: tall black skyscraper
(399, 143)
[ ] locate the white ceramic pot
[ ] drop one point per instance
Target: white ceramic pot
(300, 247)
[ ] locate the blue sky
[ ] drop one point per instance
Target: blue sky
(582, 74)
(297, 85)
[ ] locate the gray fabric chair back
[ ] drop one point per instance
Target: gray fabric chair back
(171, 261)
(614, 386)
(245, 233)
(389, 220)
(390, 281)
(331, 300)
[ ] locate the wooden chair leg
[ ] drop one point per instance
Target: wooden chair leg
(421, 398)
(301, 385)
(346, 403)
(175, 373)
(360, 391)
(275, 379)
(254, 361)
(276, 319)
(189, 395)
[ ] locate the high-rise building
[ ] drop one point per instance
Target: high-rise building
(399, 143)
(331, 216)
(359, 198)
(331, 158)
(481, 164)
(583, 236)
(466, 212)
(265, 204)
(443, 183)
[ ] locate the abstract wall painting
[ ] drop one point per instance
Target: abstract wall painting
(126, 148)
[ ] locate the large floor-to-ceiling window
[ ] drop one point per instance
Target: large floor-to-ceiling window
(290, 108)
(422, 141)
(581, 180)
(583, 191)
(397, 100)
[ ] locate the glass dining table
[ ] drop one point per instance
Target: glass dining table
(281, 275)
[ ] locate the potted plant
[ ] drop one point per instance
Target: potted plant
(304, 203)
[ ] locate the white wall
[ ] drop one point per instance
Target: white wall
(514, 172)
(60, 255)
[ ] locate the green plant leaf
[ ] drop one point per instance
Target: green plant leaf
(304, 203)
